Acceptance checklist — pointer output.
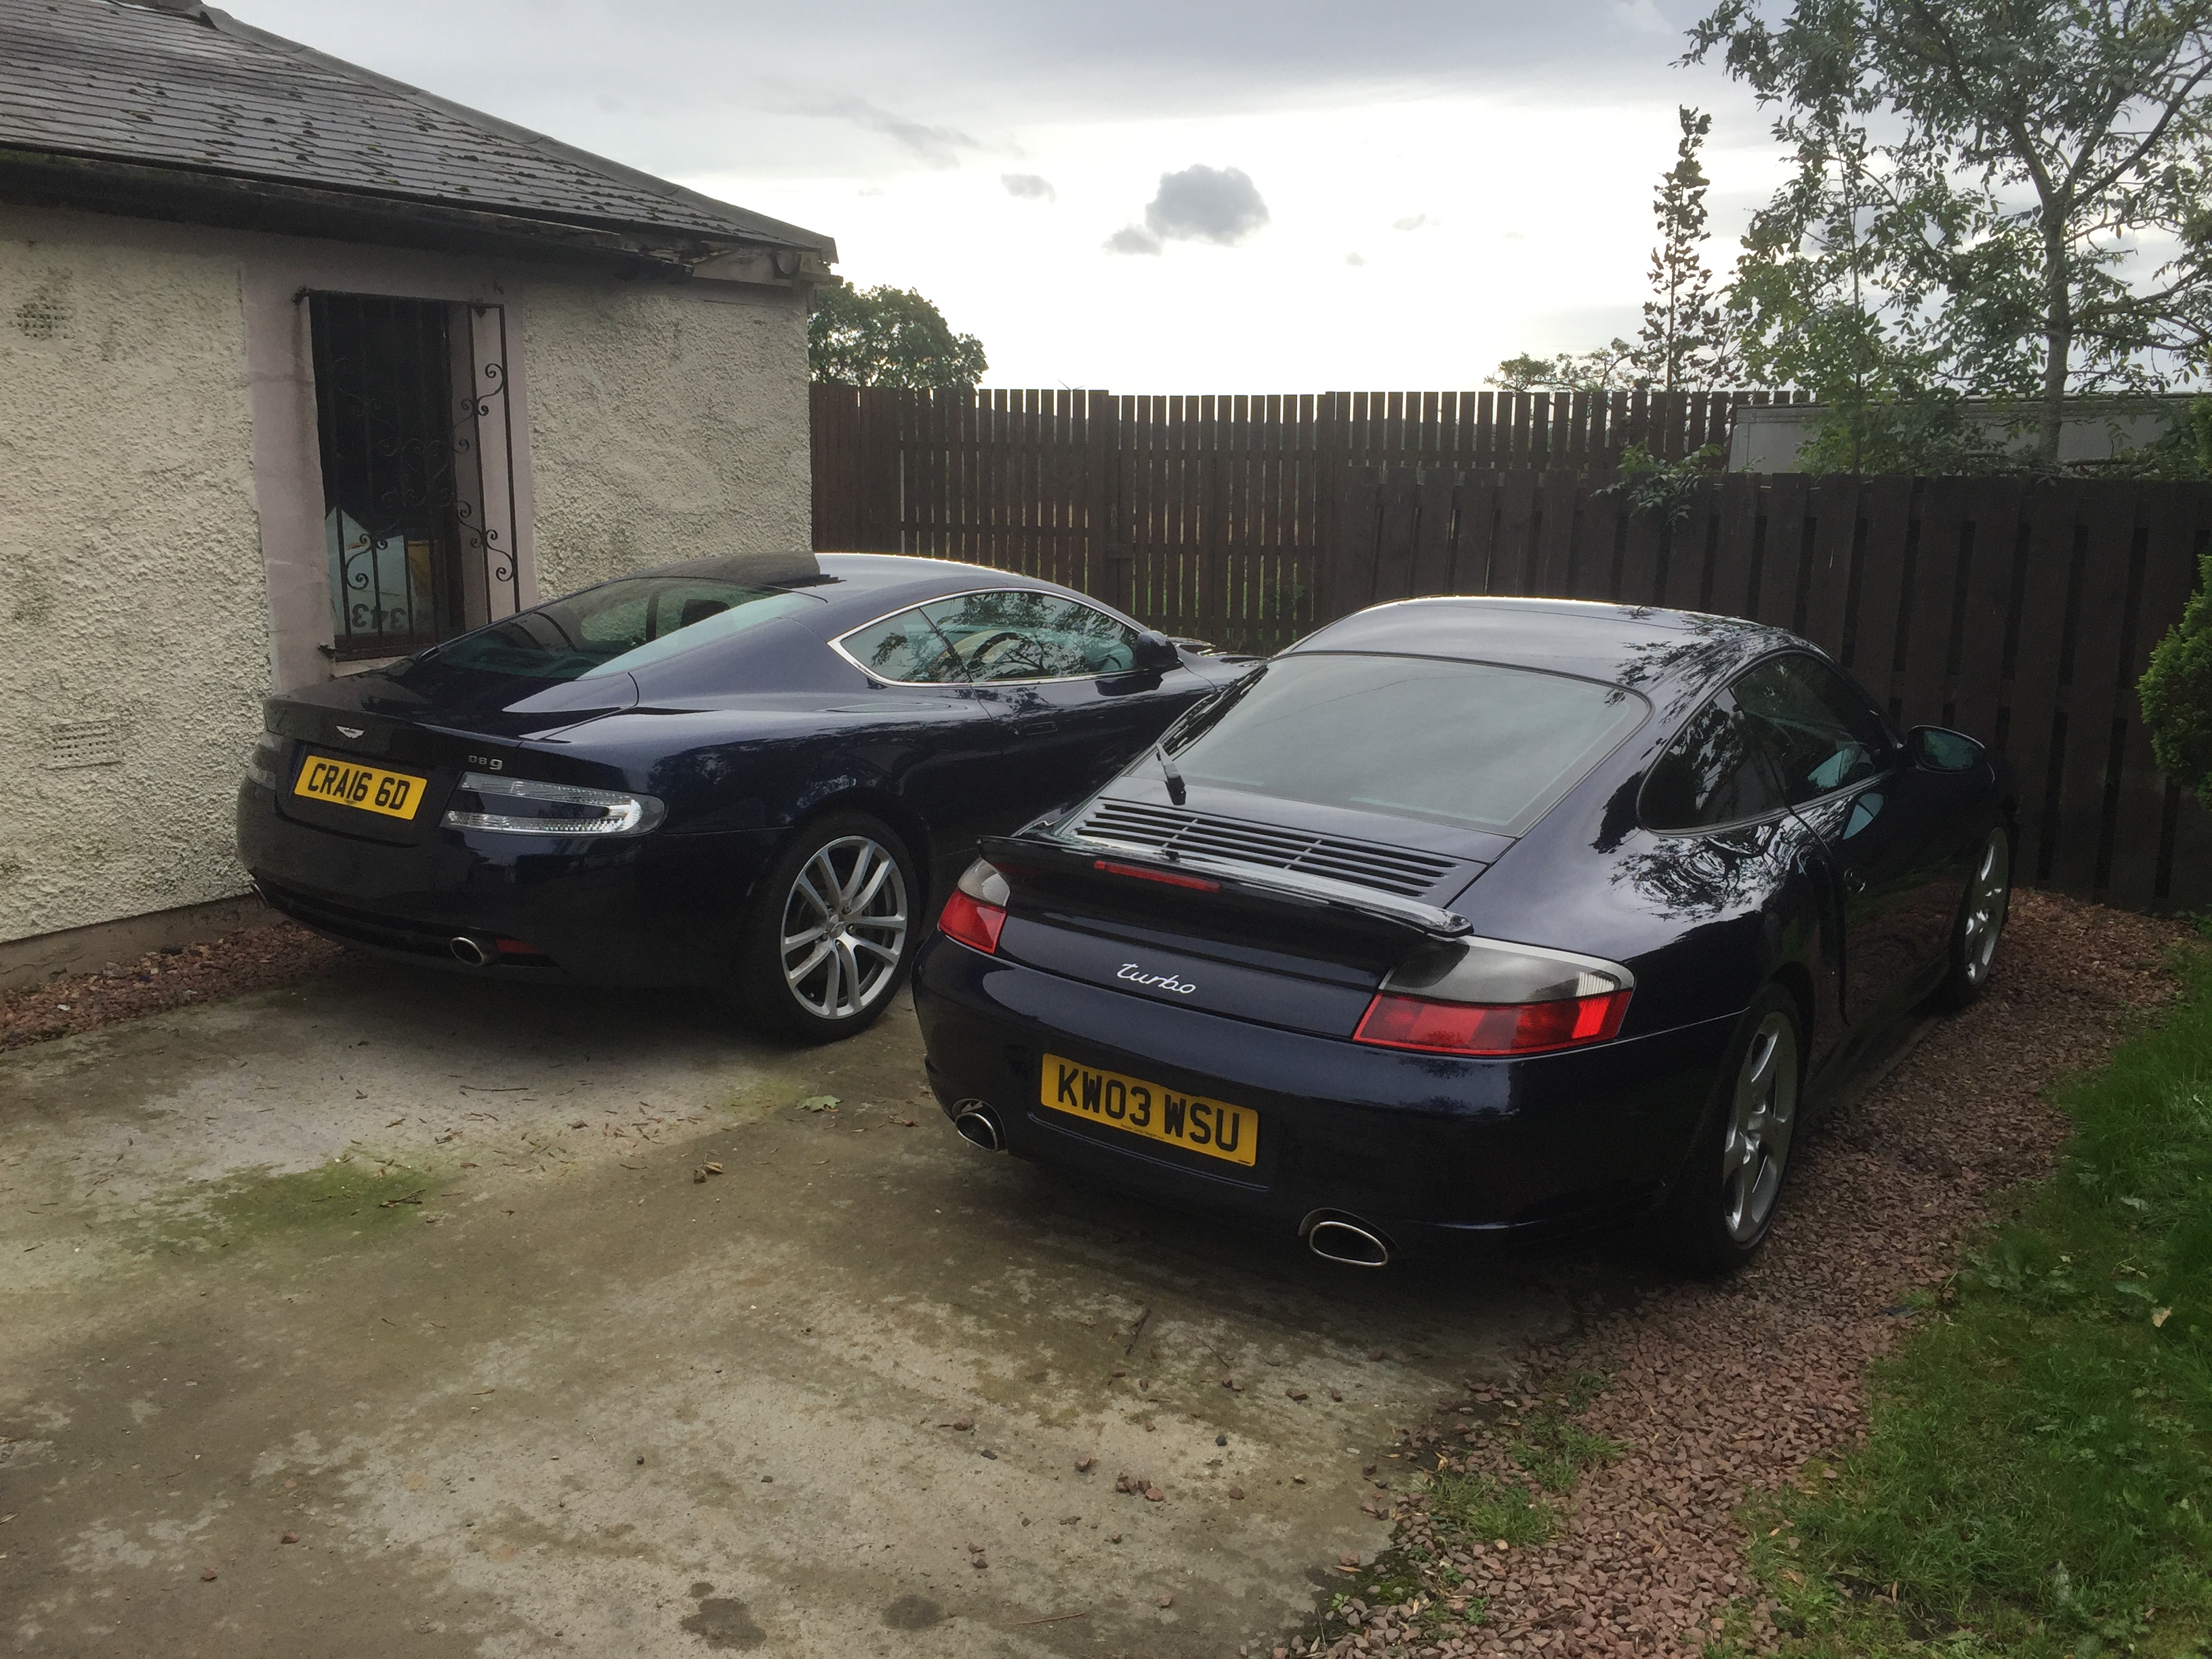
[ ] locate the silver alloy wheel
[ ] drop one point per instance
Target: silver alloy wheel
(844, 927)
(1760, 1123)
(1989, 896)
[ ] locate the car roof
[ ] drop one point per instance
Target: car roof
(1636, 645)
(857, 588)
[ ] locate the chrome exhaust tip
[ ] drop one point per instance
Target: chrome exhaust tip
(1346, 1241)
(465, 947)
(977, 1123)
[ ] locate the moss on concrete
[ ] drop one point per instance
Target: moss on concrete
(354, 1196)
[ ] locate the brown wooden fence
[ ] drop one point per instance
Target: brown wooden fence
(1206, 514)
(2019, 612)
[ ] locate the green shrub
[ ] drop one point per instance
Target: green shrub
(2177, 693)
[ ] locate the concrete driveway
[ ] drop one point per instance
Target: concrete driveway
(421, 1272)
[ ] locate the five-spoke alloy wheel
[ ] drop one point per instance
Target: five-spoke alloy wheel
(1724, 1200)
(1981, 922)
(1755, 1150)
(834, 931)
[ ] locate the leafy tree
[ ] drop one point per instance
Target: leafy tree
(1666, 489)
(1684, 341)
(1976, 183)
(1609, 370)
(888, 336)
(2177, 694)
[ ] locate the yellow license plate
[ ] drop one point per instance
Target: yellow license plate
(371, 788)
(1128, 1104)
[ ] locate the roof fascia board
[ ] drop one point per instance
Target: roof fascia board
(754, 226)
(48, 178)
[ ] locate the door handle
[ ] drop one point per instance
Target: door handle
(1047, 725)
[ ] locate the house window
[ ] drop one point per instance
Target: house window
(417, 519)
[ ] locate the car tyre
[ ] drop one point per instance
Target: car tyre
(1982, 914)
(1725, 1199)
(833, 933)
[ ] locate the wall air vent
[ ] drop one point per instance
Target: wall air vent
(72, 743)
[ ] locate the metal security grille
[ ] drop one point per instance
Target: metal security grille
(409, 396)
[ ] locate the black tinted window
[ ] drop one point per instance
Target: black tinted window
(1817, 731)
(905, 648)
(1464, 743)
(1711, 774)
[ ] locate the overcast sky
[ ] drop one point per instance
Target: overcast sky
(1154, 196)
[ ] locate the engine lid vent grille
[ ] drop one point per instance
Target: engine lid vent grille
(1390, 869)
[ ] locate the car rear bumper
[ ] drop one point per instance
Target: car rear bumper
(1428, 1150)
(658, 910)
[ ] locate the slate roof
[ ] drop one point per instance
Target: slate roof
(180, 86)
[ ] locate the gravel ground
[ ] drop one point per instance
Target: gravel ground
(1721, 1391)
(251, 959)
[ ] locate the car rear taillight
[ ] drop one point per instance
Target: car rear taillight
(1495, 997)
(977, 909)
(526, 806)
(1463, 1028)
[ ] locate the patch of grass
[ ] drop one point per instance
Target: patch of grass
(1479, 1509)
(1412, 1584)
(1556, 1451)
(349, 1196)
(2038, 1476)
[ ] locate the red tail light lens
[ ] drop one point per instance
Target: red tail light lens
(1393, 1021)
(976, 912)
(976, 924)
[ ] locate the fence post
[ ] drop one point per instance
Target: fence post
(875, 461)
(1349, 582)
(1332, 484)
(1107, 563)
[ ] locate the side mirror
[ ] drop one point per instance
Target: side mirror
(1941, 751)
(1154, 652)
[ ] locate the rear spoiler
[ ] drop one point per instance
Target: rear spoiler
(1069, 854)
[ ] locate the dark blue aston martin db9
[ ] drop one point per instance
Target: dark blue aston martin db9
(1472, 918)
(741, 772)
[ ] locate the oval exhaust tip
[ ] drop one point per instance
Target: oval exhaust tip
(977, 1123)
(473, 951)
(1345, 1241)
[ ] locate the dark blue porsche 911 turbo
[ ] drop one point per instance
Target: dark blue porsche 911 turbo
(1474, 918)
(745, 771)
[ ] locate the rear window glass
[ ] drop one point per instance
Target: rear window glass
(618, 626)
(1474, 744)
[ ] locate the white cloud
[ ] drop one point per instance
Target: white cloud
(1029, 187)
